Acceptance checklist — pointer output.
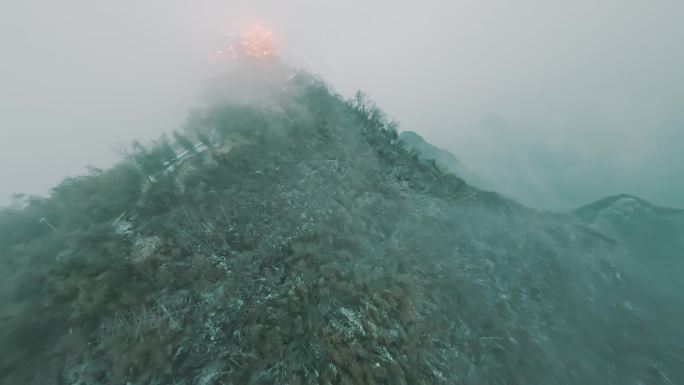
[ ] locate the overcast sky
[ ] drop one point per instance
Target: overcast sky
(557, 103)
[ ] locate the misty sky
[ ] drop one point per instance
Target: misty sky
(557, 103)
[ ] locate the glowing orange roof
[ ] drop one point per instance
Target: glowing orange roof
(256, 44)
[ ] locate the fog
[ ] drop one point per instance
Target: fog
(554, 103)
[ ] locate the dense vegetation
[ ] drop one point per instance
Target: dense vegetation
(297, 241)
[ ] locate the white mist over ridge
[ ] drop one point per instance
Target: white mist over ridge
(568, 101)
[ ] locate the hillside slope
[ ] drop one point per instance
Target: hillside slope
(296, 240)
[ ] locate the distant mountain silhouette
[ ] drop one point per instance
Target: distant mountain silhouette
(443, 158)
(652, 236)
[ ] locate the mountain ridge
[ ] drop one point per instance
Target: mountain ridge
(307, 245)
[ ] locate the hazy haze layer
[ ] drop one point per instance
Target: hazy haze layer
(560, 103)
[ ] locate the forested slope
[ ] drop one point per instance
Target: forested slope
(295, 240)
